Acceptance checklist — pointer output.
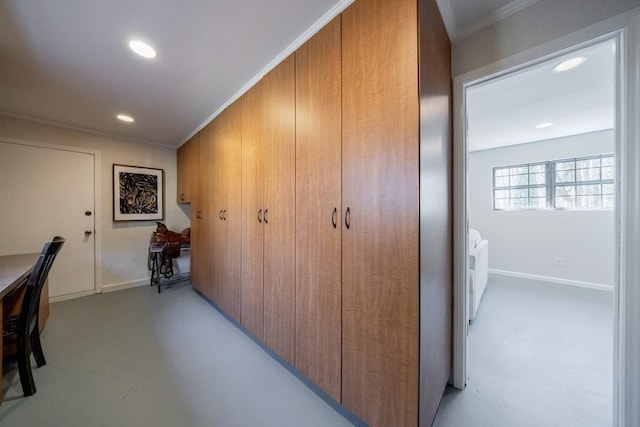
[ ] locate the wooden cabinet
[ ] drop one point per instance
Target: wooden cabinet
(225, 196)
(200, 216)
(252, 212)
(322, 214)
(318, 209)
(188, 169)
(380, 177)
(396, 199)
(279, 208)
(268, 205)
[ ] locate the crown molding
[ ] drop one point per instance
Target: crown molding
(497, 15)
(313, 29)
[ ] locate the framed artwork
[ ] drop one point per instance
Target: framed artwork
(138, 193)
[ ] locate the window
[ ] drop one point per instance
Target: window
(520, 186)
(584, 183)
(578, 183)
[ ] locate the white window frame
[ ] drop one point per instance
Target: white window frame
(551, 184)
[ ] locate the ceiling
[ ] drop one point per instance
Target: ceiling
(506, 111)
(67, 62)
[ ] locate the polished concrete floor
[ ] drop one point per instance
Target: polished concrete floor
(540, 354)
(136, 358)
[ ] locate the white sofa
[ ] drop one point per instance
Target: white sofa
(478, 270)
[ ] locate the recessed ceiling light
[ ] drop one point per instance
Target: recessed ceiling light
(142, 49)
(569, 64)
(125, 118)
(544, 125)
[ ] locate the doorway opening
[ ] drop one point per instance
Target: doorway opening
(540, 182)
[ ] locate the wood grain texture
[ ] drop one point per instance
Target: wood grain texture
(226, 240)
(193, 169)
(216, 201)
(318, 183)
(252, 299)
(206, 197)
(380, 188)
(436, 262)
(182, 156)
(199, 232)
(278, 134)
(187, 169)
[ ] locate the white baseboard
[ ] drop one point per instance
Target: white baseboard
(124, 285)
(59, 298)
(577, 283)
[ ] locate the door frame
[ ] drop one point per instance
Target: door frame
(625, 29)
(97, 237)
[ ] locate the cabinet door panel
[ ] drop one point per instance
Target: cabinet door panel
(279, 226)
(192, 174)
(216, 236)
(207, 200)
(188, 169)
(228, 139)
(199, 216)
(196, 231)
(252, 204)
(182, 165)
(318, 183)
(380, 189)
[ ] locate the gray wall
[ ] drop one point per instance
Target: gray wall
(540, 23)
(528, 241)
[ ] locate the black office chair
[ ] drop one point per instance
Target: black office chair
(23, 328)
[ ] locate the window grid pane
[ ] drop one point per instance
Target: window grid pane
(520, 186)
(584, 183)
(579, 183)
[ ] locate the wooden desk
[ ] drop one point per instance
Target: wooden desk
(14, 271)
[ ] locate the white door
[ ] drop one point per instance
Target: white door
(47, 192)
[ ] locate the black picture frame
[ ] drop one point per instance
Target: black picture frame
(138, 193)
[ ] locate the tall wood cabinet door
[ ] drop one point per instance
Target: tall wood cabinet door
(318, 209)
(192, 173)
(199, 234)
(188, 164)
(279, 204)
(206, 196)
(215, 197)
(183, 157)
(252, 212)
(228, 241)
(380, 212)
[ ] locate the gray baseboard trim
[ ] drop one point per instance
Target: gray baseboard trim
(59, 298)
(113, 287)
(576, 283)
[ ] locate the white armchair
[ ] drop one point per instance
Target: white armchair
(478, 270)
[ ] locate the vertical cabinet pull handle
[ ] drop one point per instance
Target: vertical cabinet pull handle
(220, 215)
(198, 215)
(182, 196)
(334, 218)
(260, 216)
(224, 214)
(347, 218)
(266, 211)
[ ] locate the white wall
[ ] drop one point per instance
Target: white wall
(528, 241)
(540, 23)
(123, 244)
